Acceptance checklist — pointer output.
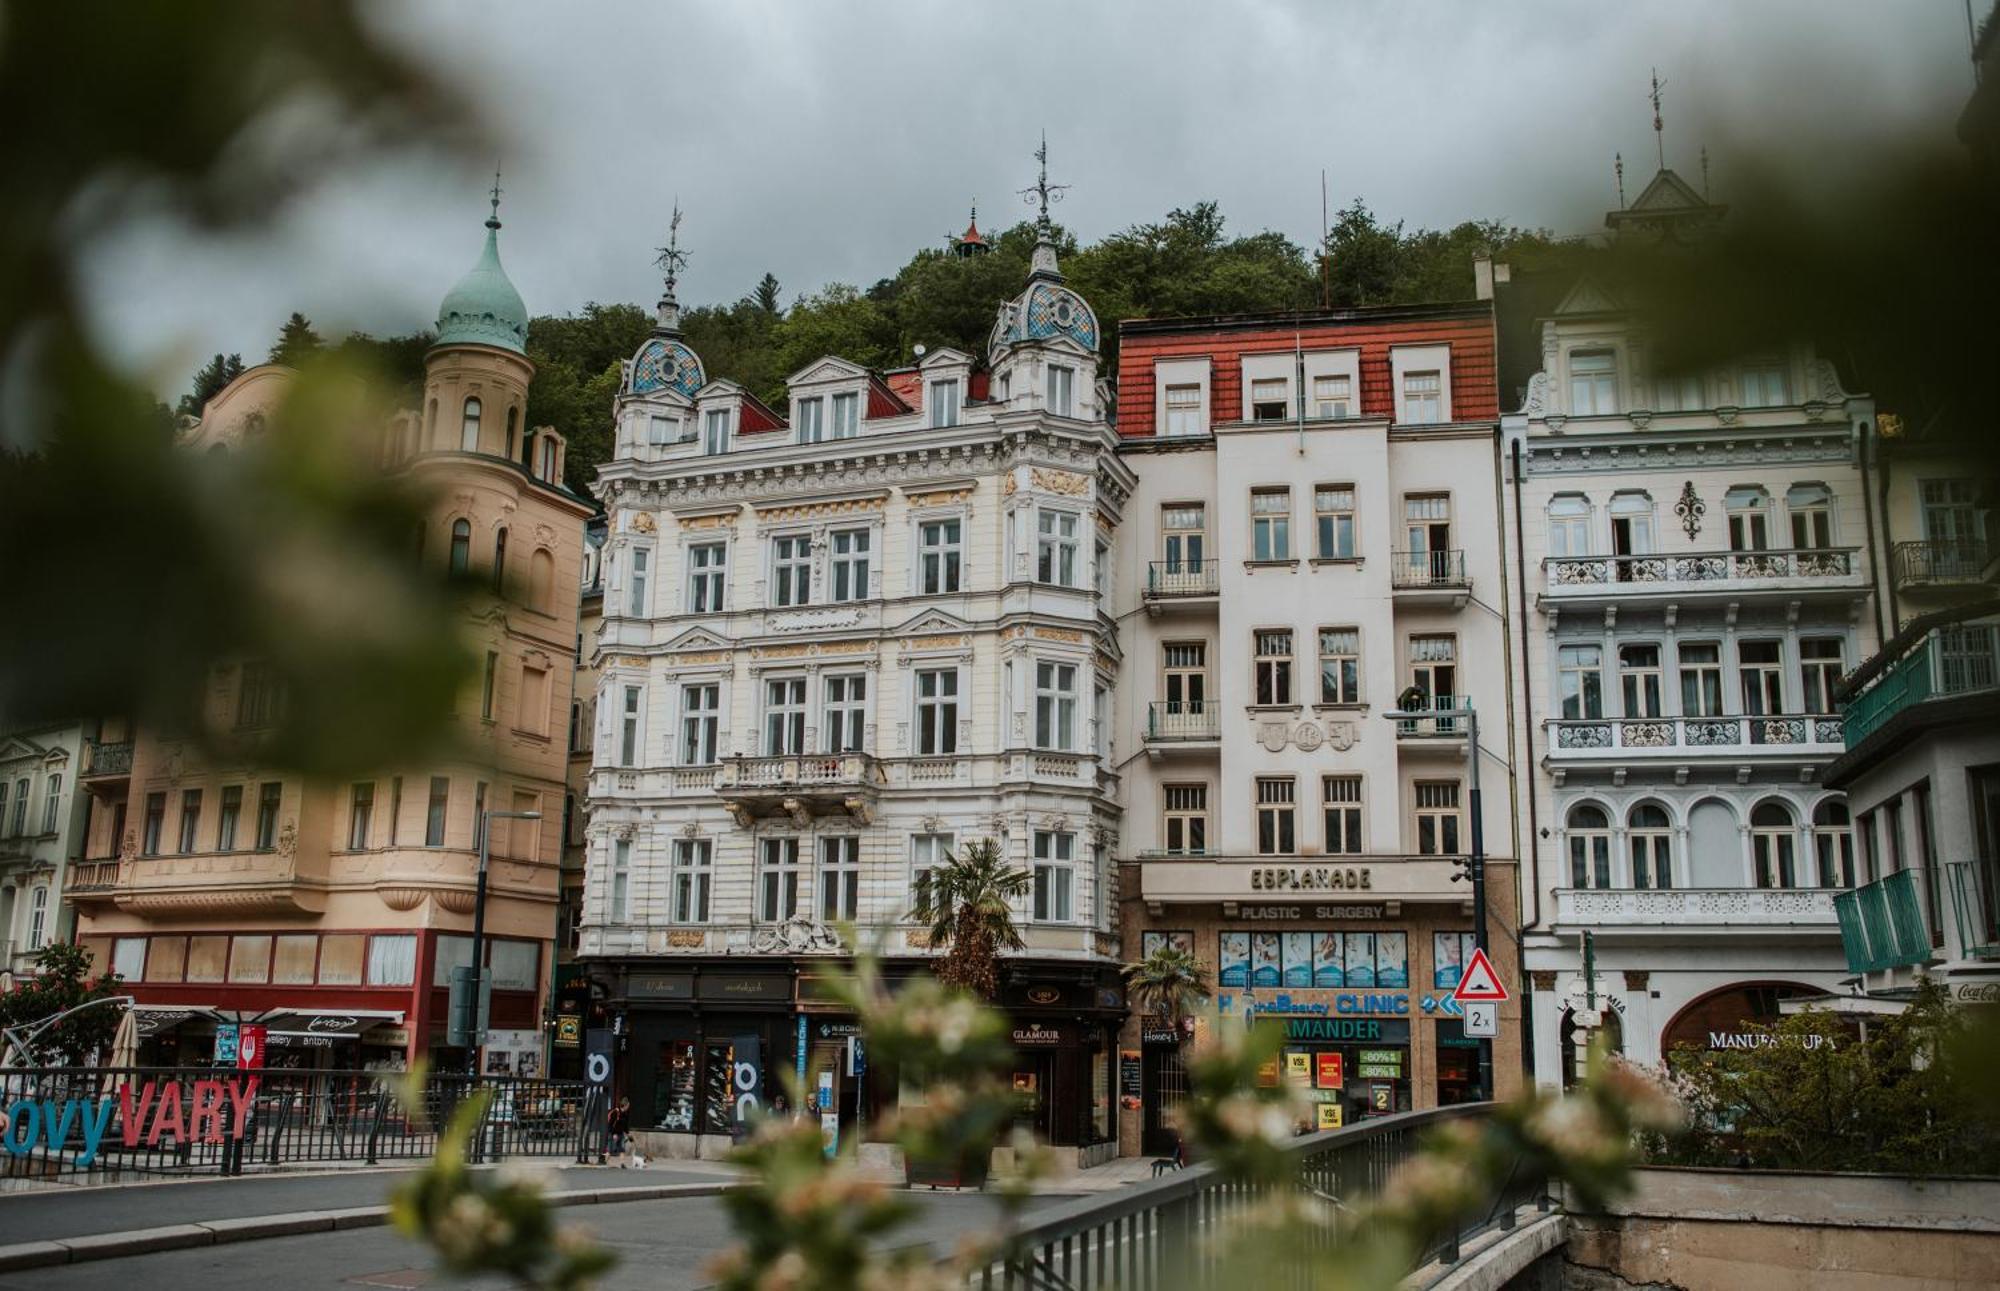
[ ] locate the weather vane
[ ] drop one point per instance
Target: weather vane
(671, 257)
(1618, 169)
(1659, 137)
(1043, 192)
(493, 220)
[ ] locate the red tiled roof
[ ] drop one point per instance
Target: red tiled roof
(756, 416)
(884, 401)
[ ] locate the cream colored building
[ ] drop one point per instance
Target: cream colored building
(41, 831)
(334, 913)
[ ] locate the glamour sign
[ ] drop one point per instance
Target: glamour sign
(203, 1111)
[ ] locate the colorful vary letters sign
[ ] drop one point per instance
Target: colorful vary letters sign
(202, 1111)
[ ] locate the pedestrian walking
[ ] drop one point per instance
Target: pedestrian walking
(618, 1128)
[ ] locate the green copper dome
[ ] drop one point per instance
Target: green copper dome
(484, 308)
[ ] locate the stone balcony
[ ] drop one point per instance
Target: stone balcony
(86, 882)
(802, 786)
(1833, 573)
(921, 773)
(1623, 741)
(209, 883)
(1672, 912)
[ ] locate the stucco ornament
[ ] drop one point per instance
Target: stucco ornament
(1341, 735)
(1690, 509)
(1308, 736)
(1273, 736)
(795, 936)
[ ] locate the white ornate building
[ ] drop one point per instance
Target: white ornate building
(838, 642)
(41, 830)
(1695, 578)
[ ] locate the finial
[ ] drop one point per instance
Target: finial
(1704, 172)
(493, 220)
(1043, 192)
(671, 258)
(1659, 127)
(1618, 167)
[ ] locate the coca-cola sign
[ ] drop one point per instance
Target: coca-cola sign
(1977, 993)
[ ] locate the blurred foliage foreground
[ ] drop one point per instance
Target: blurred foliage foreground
(807, 1222)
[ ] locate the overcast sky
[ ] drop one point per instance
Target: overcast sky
(825, 142)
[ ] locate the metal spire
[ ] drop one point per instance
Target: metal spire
(493, 220)
(1043, 192)
(1704, 172)
(1618, 168)
(671, 258)
(1659, 127)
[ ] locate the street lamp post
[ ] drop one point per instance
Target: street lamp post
(1414, 704)
(486, 819)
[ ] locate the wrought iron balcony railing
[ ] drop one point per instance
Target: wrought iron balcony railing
(1594, 735)
(1698, 569)
(1197, 577)
(108, 759)
(1419, 569)
(1927, 563)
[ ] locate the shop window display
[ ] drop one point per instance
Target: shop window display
(1322, 960)
(673, 1092)
(1450, 952)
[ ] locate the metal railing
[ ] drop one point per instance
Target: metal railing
(1881, 925)
(1696, 568)
(1183, 719)
(1623, 734)
(1956, 660)
(1415, 569)
(1162, 1233)
(108, 759)
(1196, 577)
(1448, 724)
(1975, 906)
(219, 1120)
(1940, 562)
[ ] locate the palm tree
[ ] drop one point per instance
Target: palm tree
(968, 902)
(1169, 983)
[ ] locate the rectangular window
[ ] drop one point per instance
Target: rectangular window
(1434, 671)
(777, 879)
(1340, 665)
(128, 958)
(940, 551)
(706, 577)
(927, 852)
(661, 431)
(190, 819)
(1580, 680)
(628, 729)
(488, 678)
(392, 960)
(621, 879)
(1062, 390)
(937, 711)
(1760, 668)
(1186, 824)
(1820, 660)
(360, 812)
(1333, 397)
(1764, 385)
(1055, 877)
(1270, 400)
(839, 878)
(1055, 548)
(791, 570)
(1340, 797)
(1701, 679)
(693, 868)
(701, 711)
(943, 400)
(811, 420)
(435, 811)
(785, 715)
(844, 721)
(642, 559)
(1333, 521)
(848, 572)
(1185, 672)
(1277, 816)
(38, 918)
(166, 959)
(1593, 382)
(715, 431)
(226, 818)
(1055, 706)
(846, 416)
(1272, 667)
(1423, 398)
(1184, 540)
(258, 699)
(250, 960)
(1184, 410)
(1437, 817)
(1569, 525)
(51, 804)
(1639, 680)
(1810, 507)
(1271, 524)
(1749, 510)
(269, 795)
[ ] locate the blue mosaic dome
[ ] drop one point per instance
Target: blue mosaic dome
(484, 308)
(1046, 311)
(665, 364)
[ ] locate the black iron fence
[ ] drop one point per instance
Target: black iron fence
(61, 1123)
(1163, 1233)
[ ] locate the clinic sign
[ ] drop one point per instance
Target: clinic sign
(201, 1111)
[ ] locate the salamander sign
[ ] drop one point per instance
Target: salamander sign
(202, 1111)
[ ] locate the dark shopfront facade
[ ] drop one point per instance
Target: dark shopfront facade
(693, 1031)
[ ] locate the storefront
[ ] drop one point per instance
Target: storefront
(1065, 1034)
(700, 1042)
(1349, 1068)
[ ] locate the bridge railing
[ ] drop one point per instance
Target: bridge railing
(1163, 1233)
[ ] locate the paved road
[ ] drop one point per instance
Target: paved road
(662, 1245)
(37, 1216)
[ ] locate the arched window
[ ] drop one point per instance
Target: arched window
(1589, 847)
(468, 435)
(1652, 840)
(1569, 525)
(542, 581)
(513, 416)
(500, 563)
(431, 425)
(1833, 843)
(1774, 845)
(1749, 509)
(1811, 509)
(461, 547)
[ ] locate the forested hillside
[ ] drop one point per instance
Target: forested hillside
(1184, 265)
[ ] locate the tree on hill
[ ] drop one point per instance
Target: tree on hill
(297, 342)
(215, 374)
(1374, 263)
(766, 295)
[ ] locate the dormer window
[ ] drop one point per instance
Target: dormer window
(715, 431)
(1764, 385)
(661, 432)
(1184, 410)
(811, 420)
(1062, 390)
(1593, 382)
(1268, 400)
(943, 402)
(1333, 397)
(846, 416)
(1422, 398)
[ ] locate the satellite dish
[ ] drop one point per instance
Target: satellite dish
(920, 351)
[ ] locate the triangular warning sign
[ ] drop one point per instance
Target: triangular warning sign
(1479, 982)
